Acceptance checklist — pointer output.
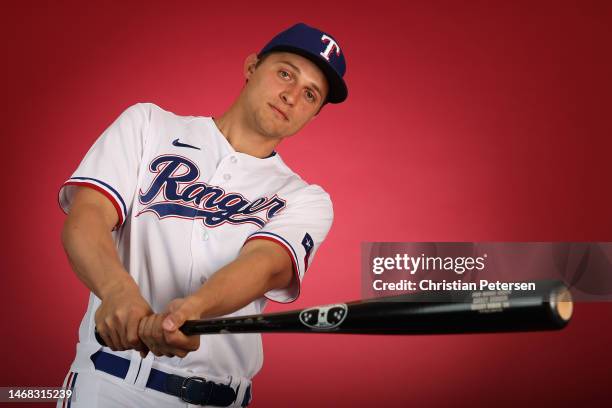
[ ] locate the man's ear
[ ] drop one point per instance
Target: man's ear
(250, 65)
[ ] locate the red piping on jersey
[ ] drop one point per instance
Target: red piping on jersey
(295, 269)
(103, 191)
(67, 388)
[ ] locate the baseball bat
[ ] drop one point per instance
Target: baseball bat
(548, 307)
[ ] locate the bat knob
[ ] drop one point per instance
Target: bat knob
(99, 338)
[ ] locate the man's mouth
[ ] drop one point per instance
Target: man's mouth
(280, 112)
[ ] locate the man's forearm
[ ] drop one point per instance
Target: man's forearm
(92, 252)
(239, 283)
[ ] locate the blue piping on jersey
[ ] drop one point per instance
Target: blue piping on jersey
(110, 188)
(282, 239)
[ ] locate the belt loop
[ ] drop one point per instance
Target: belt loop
(145, 369)
(242, 388)
(135, 359)
(247, 396)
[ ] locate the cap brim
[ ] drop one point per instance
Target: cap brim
(338, 91)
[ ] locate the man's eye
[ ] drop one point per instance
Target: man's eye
(310, 96)
(284, 74)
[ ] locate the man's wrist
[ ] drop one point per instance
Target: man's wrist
(116, 283)
(201, 304)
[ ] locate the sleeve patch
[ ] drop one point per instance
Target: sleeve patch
(308, 245)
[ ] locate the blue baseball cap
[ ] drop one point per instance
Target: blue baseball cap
(320, 48)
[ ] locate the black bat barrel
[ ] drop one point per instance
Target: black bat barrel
(548, 307)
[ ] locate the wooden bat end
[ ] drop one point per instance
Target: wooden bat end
(563, 304)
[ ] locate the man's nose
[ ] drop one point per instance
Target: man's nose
(288, 95)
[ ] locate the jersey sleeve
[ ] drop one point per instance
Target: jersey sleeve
(300, 229)
(111, 164)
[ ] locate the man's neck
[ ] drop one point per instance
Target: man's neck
(242, 138)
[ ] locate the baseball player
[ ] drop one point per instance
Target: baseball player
(172, 218)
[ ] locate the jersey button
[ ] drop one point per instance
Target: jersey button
(233, 159)
(227, 177)
(205, 236)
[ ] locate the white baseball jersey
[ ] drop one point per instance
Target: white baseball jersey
(187, 202)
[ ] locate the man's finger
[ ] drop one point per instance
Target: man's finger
(115, 343)
(180, 341)
(158, 333)
(176, 316)
(142, 332)
(107, 339)
(172, 322)
(141, 327)
(161, 348)
(145, 325)
(123, 335)
(132, 333)
(172, 338)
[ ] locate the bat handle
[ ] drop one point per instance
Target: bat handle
(189, 327)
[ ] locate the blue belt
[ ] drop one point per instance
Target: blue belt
(193, 390)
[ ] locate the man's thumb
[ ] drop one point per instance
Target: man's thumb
(173, 321)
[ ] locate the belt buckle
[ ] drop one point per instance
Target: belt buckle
(182, 395)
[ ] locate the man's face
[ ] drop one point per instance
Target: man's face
(283, 93)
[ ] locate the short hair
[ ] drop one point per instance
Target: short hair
(262, 57)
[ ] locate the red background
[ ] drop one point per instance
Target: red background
(466, 121)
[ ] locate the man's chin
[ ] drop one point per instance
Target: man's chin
(273, 129)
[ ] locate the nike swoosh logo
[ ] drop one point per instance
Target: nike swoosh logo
(176, 142)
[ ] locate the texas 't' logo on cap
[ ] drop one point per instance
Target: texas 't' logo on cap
(320, 48)
(331, 45)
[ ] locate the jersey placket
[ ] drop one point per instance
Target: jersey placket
(202, 235)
